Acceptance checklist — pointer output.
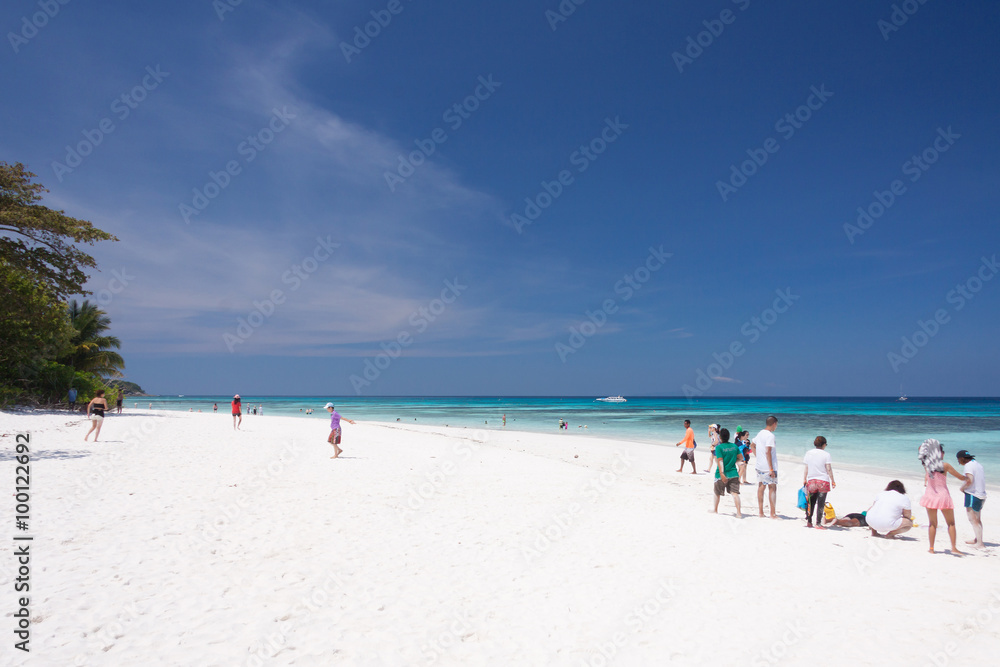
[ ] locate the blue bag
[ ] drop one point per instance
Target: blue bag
(803, 499)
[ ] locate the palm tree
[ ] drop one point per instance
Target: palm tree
(90, 350)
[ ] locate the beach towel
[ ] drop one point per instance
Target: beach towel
(931, 455)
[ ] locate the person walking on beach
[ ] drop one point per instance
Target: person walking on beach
(765, 449)
(237, 412)
(889, 515)
(974, 488)
(118, 403)
(215, 407)
(713, 436)
(726, 472)
(743, 443)
(936, 495)
(71, 395)
(334, 438)
(95, 411)
(818, 480)
(689, 445)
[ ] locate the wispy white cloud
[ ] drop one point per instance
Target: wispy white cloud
(321, 178)
(677, 332)
(192, 282)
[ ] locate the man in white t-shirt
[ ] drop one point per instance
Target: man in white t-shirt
(975, 494)
(764, 447)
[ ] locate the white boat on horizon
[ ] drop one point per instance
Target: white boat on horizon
(611, 399)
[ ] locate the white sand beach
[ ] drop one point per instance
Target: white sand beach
(177, 541)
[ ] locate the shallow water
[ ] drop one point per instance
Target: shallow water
(876, 432)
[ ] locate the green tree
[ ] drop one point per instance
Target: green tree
(33, 327)
(40, 267)
(39, 242)
(91, 350)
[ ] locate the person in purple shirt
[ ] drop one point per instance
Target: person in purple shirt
(334, 438)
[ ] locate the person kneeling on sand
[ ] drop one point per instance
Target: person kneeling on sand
(890, 515)
(726, 473)
(334, 438)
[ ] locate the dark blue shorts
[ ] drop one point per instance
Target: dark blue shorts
(973, 503)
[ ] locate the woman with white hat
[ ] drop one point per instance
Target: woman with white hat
(713, 435)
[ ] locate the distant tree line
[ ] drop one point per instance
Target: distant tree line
(128, 388)
(49, 342)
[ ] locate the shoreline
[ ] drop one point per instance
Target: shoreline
(794, 462)
(502, 437)
(702, 451)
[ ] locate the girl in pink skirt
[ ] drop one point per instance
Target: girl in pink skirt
(936, 495)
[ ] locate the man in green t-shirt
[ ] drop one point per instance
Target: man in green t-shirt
(727, 475)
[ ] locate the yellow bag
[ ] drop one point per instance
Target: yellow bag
(828, 512)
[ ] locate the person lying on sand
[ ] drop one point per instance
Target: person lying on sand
(853, 520)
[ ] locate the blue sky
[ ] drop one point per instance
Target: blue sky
(311, 262)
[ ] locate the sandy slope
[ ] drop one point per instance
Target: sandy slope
(178, 541)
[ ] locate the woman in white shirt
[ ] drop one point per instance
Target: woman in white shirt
(890, 514)
(818, 480)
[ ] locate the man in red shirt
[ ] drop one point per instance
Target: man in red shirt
(689, 445)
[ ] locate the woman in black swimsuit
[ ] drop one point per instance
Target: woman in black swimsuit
(95, 411)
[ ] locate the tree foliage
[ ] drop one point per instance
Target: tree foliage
(33, 327)
(38, 241)
(90, 350)
(127, 388)
(45, 348)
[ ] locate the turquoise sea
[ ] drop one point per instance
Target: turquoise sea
(872, 432)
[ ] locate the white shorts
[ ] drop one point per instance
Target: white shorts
(885, 529)
(766, 478)
(97, 418)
